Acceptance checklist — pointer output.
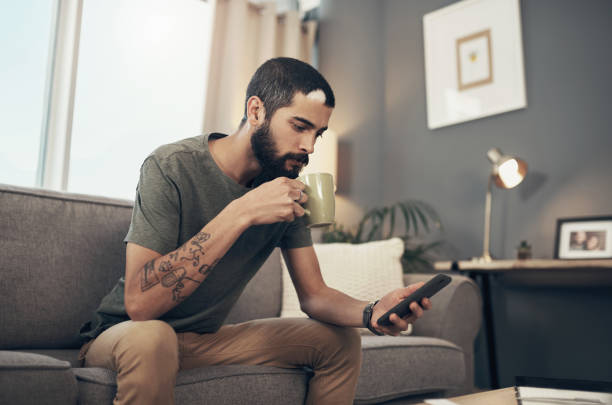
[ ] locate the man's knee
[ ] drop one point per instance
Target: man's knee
(145, 357)
(351, 342)
(149, 341)
(339, 342)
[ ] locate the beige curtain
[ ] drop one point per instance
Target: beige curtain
(244, 36)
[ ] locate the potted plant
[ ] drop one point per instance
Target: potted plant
(419, 218)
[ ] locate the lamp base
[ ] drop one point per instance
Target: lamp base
(482, 259)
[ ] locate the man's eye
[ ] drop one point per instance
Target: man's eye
(299, 128)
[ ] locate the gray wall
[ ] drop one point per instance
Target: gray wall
(350, 57)
(372, 53)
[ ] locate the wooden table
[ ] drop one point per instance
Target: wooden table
(540, 275)
(563, 272)
(501, 265)
(504, 396)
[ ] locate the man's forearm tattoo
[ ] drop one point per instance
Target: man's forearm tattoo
(149, 276)
(171, 276)
(175, 280)
(206, 268)
(196, 250)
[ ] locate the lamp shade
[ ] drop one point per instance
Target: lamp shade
(508, 171)
(325, 156)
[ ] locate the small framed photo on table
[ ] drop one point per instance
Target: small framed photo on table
(584, 238)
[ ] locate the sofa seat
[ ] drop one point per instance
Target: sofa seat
(208, 385)
(69, 355)
(411, 365)
(218, 384)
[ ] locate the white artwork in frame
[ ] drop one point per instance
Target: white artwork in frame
(473, 61)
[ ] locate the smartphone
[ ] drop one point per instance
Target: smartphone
(426, 291)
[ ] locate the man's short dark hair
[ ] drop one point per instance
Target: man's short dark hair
(277, 80)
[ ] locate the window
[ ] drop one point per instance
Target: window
(90, 88)
(27, 32)
(141, 83)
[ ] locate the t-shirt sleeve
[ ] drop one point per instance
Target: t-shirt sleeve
(296, 235)
(156, 216)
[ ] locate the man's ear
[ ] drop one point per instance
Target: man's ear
(256, 113)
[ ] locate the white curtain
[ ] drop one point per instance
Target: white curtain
(244, 36)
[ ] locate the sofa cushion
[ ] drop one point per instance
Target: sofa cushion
(364, 271)
(27, 378)
(394, 367)
(209, 385)
(409, 365)
(61, 254)
(69, 355)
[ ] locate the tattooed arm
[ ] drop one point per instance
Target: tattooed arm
(154, 284)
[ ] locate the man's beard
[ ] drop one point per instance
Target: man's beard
(266, 153)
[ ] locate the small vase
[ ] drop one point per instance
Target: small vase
(523, 251)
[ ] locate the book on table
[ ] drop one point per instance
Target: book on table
(545, 391)
(538, 391)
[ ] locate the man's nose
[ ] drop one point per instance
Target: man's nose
(307, 143)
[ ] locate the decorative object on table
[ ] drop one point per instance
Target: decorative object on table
(473, 61)
(419, 219)
(523, 251)
(584, 238)
(507, 172)
(366, 271)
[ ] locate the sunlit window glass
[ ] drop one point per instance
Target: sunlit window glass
(141, 83)
(26, 40)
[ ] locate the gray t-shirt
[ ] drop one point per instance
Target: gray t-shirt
(181, 189)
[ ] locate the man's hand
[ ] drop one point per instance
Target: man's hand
(275, 201)
(392, 299)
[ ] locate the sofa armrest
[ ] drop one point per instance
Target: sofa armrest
(457, 310)
(456, 315)
(28, 378)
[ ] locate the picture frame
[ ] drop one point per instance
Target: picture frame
(584, 238)
(473, 61)
(472, 70)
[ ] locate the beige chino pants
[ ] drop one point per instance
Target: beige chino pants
(147, 356)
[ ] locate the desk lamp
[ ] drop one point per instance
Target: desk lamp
(507, 172)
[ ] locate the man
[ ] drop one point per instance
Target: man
(208, 211)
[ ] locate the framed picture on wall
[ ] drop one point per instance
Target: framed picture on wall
(584, 238)
(473, 61)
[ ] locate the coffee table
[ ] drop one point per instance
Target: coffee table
(598, 393)
(503, 396)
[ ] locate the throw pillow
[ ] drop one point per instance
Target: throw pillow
(364, 271)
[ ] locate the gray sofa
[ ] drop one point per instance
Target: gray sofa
(61, 253)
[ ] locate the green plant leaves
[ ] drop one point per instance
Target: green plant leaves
(418, 217)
